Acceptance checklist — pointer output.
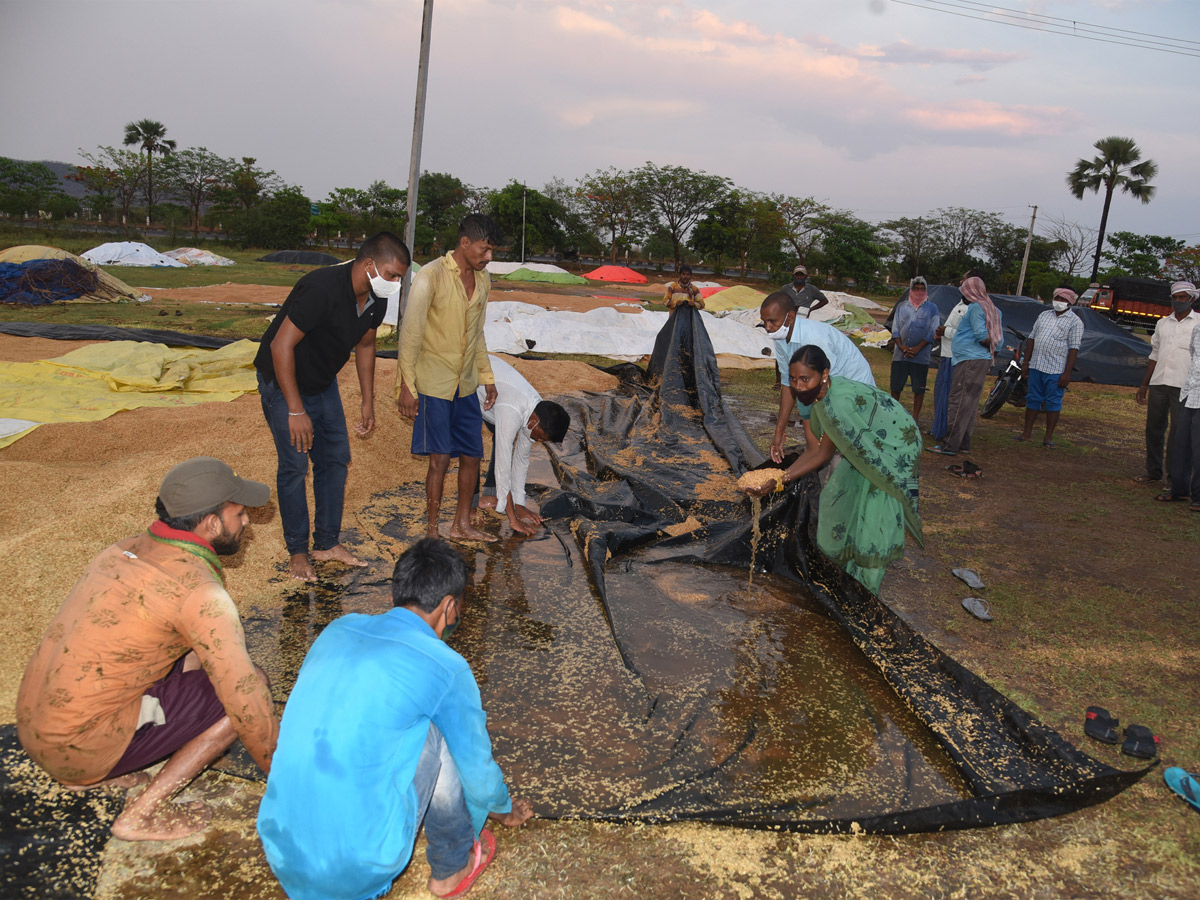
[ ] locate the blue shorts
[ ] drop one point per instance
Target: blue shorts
(453, 427)
(1044, 392)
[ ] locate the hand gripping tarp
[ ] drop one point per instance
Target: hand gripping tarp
(755, 743)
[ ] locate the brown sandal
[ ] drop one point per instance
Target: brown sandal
(1168, 497)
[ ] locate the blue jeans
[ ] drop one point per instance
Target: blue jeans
(448, 829)
(330, 459)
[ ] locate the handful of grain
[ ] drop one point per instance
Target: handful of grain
(759, 479)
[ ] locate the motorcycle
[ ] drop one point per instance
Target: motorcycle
(1010, 386)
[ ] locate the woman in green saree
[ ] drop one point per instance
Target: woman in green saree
(871, 495)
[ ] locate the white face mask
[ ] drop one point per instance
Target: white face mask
(1059, 305)
(383, 288)
(782, 333)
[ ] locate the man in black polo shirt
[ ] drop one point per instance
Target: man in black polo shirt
(329, 313)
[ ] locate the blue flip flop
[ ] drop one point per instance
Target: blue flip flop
(1184, 784)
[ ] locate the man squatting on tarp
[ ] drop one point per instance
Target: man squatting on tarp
(385, 728)
(442, 360)
(329, 313)
(146, 660)
(517, 419)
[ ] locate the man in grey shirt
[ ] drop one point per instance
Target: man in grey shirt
(804, 296)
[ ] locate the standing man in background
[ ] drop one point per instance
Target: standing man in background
(681, 291)
(442, 360)
(1053, 346)
(329, 313)
(1165, 375)
(913, 329)
(806, 299)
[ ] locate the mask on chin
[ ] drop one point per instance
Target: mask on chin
(781, 334)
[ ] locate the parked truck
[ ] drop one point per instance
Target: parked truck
(1131, 301)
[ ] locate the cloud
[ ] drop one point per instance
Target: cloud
(981, 117)
(907, 53)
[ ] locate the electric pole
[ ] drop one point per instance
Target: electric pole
(1025, 261)
(414, 163)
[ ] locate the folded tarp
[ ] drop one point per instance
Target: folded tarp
(94, 382)
(193, 256)
(621, 274)
(130, 253)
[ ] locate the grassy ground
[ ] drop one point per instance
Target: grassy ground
(1093, 586)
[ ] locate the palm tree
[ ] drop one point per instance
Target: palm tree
(150, 136)
(1116, 166)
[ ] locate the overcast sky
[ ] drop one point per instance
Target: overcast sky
(874, 106)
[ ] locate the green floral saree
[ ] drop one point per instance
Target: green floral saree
(872, 494)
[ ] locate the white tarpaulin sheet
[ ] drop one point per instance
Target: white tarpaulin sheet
(129, 253)
(606, 332)
(507, 268)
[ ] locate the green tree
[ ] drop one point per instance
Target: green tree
(1116, 166)
(26, 187)
(851, 248)
(194, 176)
(1184, 264)
(1140, 255)
(150, 137)
(744, 225)
(913, 240)
(959, 234)
(542, 219)
(245, 186)
(801, 218)
(679, 198)
(279, 222)
(111, 169)
(614, 207)
(384, 208)
(442, 202)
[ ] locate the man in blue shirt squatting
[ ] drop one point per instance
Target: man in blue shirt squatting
(385, 730)
(790, 332)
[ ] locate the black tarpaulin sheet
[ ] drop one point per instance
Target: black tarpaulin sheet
(650, 458)
(112, 333)
(1108, 354)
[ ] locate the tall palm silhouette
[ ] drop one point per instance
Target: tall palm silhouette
(1117, 166)
(150, 136)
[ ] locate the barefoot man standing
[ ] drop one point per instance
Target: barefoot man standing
(146, 660)
(329, 313)
(443, 359)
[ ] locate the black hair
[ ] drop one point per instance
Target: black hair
(553, 420)
(185, 523)
(781, 300)
(478, 227)
(685, 268)
(973, 273)
(426, 572)
(384, 247)
(812, 356)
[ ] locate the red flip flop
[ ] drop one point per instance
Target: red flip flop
(485, 852)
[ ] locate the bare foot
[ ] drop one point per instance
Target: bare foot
(128, 780)
(338, 553)
(164, 822)
(487, 502)
(300, 568)
(469, 532)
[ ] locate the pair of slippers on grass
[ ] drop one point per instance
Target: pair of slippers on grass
(1139, 741)
(976, 606)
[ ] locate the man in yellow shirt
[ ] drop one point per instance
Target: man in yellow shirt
(442, 360)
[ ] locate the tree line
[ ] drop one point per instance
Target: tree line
(660, 213)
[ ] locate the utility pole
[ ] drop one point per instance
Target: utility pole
(414, 163)
(523, 224)
(1025, 261)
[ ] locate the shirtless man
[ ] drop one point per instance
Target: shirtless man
(442, 360)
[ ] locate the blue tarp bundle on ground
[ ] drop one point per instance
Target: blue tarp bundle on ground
(43, 281)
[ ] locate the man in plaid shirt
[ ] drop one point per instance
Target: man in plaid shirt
(1053, 346)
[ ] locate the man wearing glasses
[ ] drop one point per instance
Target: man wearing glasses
(913, 330)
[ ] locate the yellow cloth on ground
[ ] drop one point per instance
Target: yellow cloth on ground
(94, 382)
(737, 297)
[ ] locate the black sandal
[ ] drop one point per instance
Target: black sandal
(1140, 742)
(1098, 724)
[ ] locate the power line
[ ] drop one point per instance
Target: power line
(1020, 13)
(1052, 28)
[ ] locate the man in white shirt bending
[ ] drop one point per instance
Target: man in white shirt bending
(518, 418)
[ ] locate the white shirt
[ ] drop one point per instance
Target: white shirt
(1189, 394)
(515, 401)
(1170, 349)
(950, 327)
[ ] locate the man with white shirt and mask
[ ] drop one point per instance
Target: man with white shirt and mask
(517, 419)
(789, 332)
(1166, 372)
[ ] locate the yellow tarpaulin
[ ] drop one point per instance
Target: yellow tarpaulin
(94, 382)
(737, 297)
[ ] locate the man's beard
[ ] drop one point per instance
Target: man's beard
(225, 543)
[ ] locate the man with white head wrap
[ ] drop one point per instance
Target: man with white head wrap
(1170, 357)
(1051, 352)
(1185, 448)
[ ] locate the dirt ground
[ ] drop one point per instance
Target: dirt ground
(1094, 588)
